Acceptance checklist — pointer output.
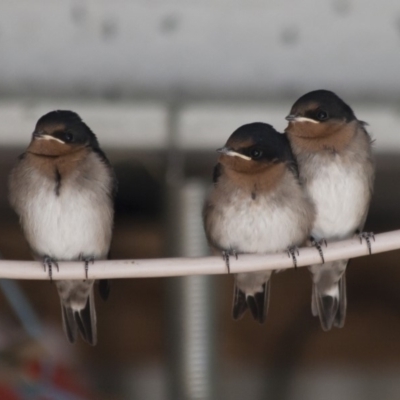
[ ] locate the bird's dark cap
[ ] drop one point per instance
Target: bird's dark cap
(65, 123)
(254, 133)
(259, 142)
(321, 101)
(60, 117)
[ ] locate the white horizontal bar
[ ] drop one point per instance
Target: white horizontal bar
(151, 268)
(117, 124)
(138, 125)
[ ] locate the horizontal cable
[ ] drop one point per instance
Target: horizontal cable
(164, 267)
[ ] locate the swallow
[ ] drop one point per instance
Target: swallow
(333, 152)
(62, 189)
(256, 205)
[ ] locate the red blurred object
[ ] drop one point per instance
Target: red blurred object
(8, 394)
(41, 380)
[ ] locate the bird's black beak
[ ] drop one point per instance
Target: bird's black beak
(291, 118)
(229, 152)
(37, 135)
(44, 136)
(223, 150)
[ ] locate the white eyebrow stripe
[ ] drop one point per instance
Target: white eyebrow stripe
(304, 119)
(48, 137)
(235, 154)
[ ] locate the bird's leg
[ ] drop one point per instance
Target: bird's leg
(291, 252)
(367, 236)
(86, 260)
(225, 257)
(48, 264)
(318, 245)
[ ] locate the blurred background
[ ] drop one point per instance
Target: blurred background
(163, 84)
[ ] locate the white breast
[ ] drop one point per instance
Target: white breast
(340, 194)
(77, 222)
(256, 226)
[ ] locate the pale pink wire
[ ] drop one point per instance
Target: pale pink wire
(199, 266)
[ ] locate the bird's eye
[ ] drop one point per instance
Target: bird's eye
(256, 153)
(322, 115)
(68, 137)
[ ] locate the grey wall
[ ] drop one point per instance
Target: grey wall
(210, 48)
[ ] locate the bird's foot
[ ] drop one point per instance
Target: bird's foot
(318, 245)
(48, 263)
(367, 236)
(87, 261)
(225, 256)
(291, 252)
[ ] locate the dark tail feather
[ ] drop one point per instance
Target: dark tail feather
(69, 325)
(83, 320)
(239, 303)
(104, 288)
(331, 309)
(341, 314)
(258, 304)
(86, 321)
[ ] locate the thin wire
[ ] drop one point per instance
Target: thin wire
(165, 267)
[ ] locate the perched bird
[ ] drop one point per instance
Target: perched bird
(333, 151)
(256, 206)
(62, 189)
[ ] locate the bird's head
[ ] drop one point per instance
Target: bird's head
(59, 133)
(253, 148)
(319, 114)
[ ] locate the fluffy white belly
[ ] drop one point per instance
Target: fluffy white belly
(340, 194)
(68, 225)
(260, 226)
